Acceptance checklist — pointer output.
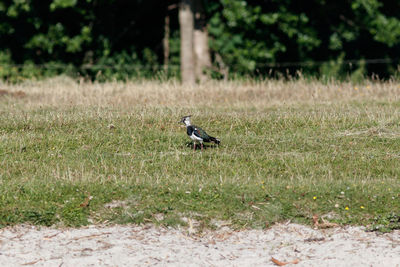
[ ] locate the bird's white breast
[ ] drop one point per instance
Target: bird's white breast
(195, 138)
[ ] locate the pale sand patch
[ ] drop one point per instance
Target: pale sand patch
(131, 245)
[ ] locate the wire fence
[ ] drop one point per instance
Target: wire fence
(128, 66)
(319, 63)
(339, 69)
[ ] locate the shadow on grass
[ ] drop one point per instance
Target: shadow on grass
(205, 145)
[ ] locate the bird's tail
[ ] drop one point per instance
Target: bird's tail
(215, 140)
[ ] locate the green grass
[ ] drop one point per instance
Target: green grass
(275, 163)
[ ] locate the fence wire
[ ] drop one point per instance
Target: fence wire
(138, 67)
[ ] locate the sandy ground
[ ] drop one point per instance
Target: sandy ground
(131, 245)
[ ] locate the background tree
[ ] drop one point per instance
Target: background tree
(186, 22)
(201, 42)
(118, 39)
(195, 53)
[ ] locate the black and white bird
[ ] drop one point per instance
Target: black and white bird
(197, 134)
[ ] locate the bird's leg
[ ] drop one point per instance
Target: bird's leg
(194, 146)
(201, 145)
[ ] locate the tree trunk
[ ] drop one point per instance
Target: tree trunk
(186, 21)
(166, 42)
(201, 48)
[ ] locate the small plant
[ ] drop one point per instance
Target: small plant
(386, 223)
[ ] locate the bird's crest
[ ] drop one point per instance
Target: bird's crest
(186, 120)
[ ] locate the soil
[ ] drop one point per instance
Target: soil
(132, 245)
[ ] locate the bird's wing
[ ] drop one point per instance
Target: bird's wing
(200, 133)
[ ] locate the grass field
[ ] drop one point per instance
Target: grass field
(78, 153)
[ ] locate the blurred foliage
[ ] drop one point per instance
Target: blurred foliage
(116, 39)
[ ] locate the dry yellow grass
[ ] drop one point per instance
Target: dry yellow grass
(63, 91)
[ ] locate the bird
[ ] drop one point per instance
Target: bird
(197, 134)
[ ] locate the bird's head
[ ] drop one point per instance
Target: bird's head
(186, 120)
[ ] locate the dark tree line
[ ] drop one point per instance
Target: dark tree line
(122, 38)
